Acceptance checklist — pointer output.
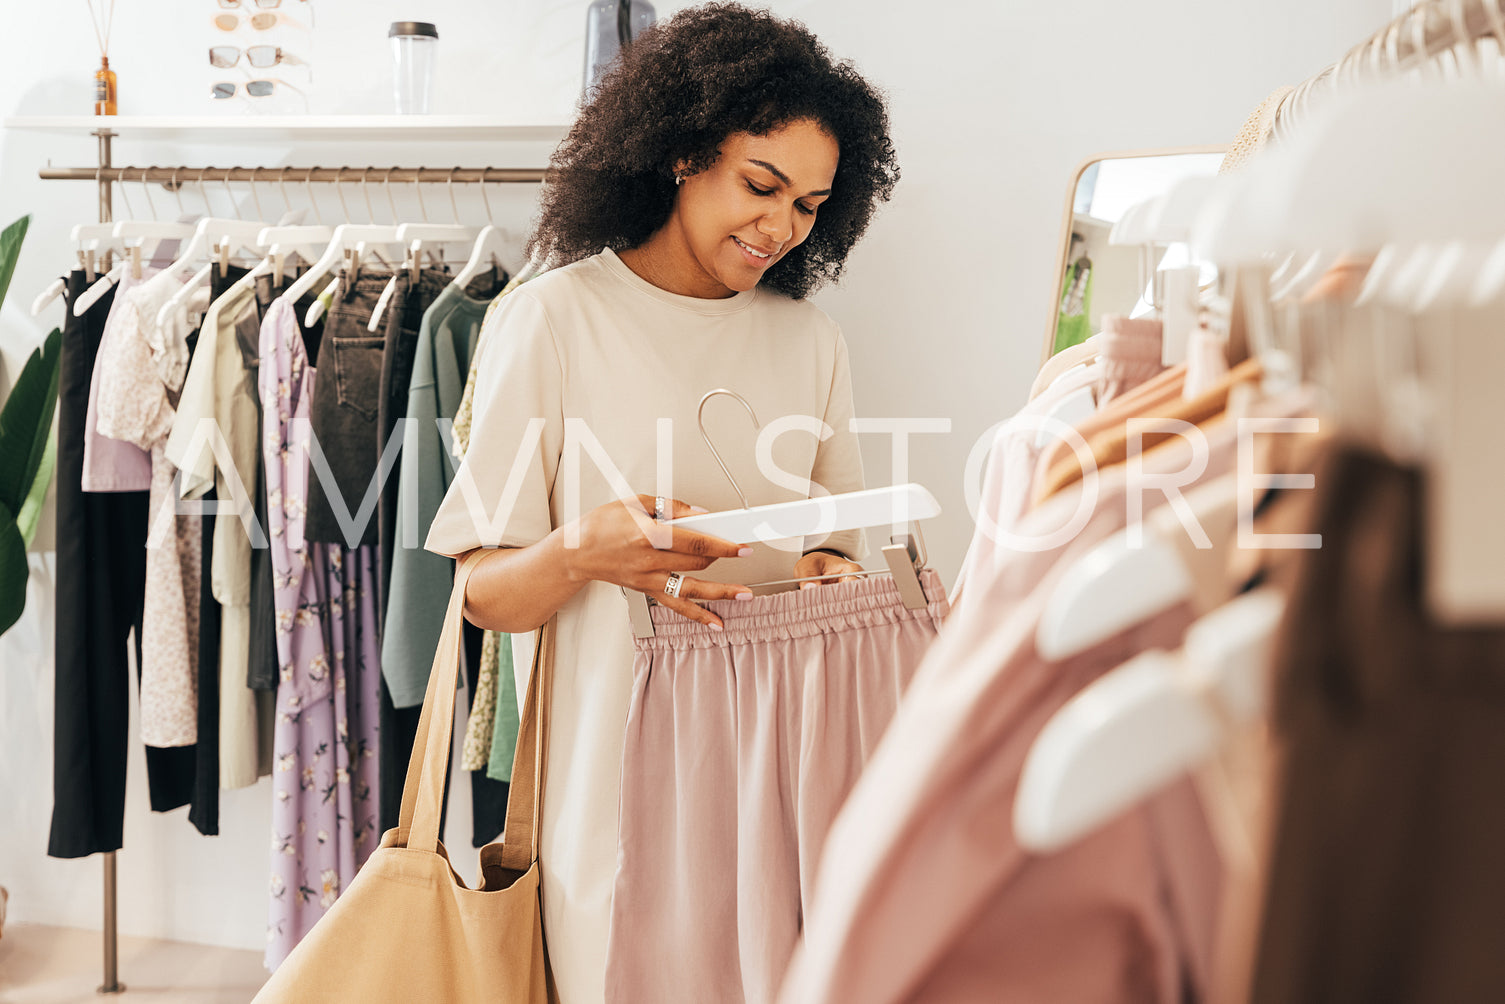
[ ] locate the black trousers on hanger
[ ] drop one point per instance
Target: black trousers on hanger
(101, 584)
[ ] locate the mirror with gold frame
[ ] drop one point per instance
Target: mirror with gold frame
(1093, 277)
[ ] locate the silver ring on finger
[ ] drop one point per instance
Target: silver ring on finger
(672, 586)
(660, 508)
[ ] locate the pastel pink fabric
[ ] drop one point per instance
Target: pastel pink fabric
(1206, 362)
(924, 894)
(114, 465)
(741, 747)
(1131, 350)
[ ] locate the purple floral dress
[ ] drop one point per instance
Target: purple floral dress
(324, 807)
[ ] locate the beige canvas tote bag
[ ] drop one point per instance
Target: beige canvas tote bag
(408, 929)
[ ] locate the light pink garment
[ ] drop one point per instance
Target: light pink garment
(114, 465)
(1008, 479)
(924, 895)
(741, 746)
(137, 408)
(1206, 362)
(1130, 351)
(1129, 354)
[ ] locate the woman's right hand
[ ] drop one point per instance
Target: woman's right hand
(623, 544)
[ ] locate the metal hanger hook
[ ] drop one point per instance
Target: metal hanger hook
(340, 191)
(146, 190)
(203, 192)
(386, 183)
(700, 420)
(418, 191)
(230, 193)
(287, 204)
(485, 200)
(313, 203)
(255, 195)
(453, 207)
(177, 192)
(130, 212)
(366, 192)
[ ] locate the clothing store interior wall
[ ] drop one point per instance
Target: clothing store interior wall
(993, 106)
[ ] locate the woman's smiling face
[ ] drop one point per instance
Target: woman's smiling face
(754, 205)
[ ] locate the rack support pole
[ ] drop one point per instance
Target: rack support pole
(111, 984)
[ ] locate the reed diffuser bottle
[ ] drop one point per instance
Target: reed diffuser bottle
(105, 89)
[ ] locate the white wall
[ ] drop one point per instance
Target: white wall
(993, 104)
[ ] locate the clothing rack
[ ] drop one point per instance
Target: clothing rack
(1410, 40)
(106, 175)
(173, 177)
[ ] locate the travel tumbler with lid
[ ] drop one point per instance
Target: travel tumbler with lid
(414, 52)
(609, 24)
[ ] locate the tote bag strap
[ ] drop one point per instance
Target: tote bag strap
(520, 840)
(423, 790)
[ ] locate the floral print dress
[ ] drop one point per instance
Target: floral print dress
(324, 810)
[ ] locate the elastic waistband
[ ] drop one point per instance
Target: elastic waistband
(797, 613)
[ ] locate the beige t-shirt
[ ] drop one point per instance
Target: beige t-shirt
(584, 362)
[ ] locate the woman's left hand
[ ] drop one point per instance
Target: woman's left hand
(830, 567)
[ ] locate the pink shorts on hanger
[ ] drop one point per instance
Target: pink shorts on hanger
(741, 746)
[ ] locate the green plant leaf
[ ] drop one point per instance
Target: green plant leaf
(31, 510)
(10, 251)
(26, 423)
(13, 571)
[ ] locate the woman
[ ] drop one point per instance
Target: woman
(726, 166)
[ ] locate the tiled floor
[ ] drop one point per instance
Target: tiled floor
(62, 965)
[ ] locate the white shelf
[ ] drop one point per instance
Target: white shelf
(298, 128)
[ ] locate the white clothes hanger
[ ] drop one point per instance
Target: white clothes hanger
(489, 249)
(276, 243)
(892, 506)
(153, 229)
(1146, 723)
(347, 248)
(1333, 185)
(90, 240)
(416, 234)
(874, 507)
(317, 308)
(53, 290)
(813, 517)
(223, 236)
(1123, 581)
(279, 243)
(490, 245)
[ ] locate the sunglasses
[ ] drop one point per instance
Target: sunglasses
(261, 22)
(259, 56)
(226, 89)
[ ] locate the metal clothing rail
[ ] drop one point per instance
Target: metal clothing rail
(106, 176)
(1413, 39)
(176, 176)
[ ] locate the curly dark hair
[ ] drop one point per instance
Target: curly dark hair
(678, 91)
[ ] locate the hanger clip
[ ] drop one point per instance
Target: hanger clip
(638, 613)
(903, 558)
